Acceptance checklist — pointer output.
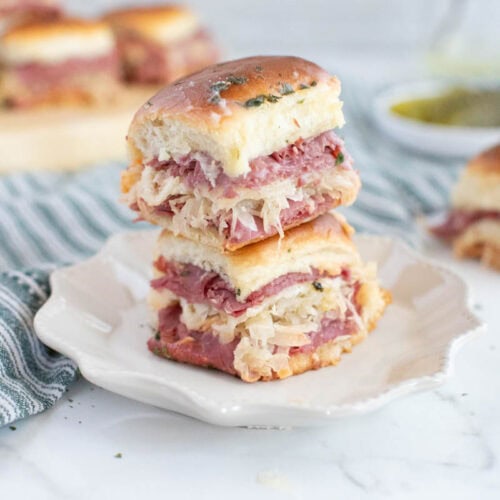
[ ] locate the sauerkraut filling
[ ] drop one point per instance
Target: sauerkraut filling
(260, 340)
(253, 213)
(284, 319)
(290, 186)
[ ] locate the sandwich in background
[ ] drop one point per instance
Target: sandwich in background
(62, 82)
(67, 61)
(159, 44)
(473, 222)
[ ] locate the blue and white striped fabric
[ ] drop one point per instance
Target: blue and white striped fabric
(32, 377)
(51, 219)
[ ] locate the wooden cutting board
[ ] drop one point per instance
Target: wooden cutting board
(67, 138)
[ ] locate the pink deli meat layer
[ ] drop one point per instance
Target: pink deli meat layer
(198, 286)
(296, 161)
(458, 221)
(175, 341)
(56, 74)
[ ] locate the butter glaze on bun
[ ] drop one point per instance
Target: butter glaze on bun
(56, 41)
(237, 111)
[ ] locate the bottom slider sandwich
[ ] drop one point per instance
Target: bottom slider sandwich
(473, 223)
(268, 311)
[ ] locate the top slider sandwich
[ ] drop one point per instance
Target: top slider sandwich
(240, 151)
(473, 223)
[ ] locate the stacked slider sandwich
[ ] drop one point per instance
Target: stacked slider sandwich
(253, 273)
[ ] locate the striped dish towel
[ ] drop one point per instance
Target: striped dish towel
(46, 220)
(52, 219)
(32, 377)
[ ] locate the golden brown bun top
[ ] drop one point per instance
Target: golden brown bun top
(237, 110)
(486, 163)
(313, 234)
(52, 42)
(34, 31)
(164, 24)
(235, 83)
(171, 13)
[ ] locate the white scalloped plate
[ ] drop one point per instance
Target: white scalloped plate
(97, 316)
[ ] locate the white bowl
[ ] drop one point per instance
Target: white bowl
(442, 140)
(97, 316)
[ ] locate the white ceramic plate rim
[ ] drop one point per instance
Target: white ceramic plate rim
(250, 413)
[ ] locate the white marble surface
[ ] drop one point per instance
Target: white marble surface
(441, 444)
